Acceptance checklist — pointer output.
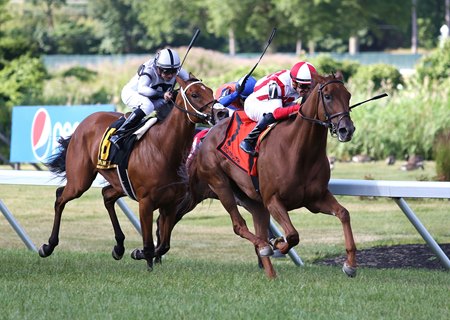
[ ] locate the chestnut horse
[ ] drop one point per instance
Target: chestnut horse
(293, 172)
(153, 167)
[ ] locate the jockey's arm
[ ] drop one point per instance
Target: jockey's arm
(183, 74)
(229, 99)
(284, 112)
(144, 88)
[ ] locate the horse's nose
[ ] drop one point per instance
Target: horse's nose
(345, 133)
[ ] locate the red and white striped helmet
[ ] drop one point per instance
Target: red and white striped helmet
(302, 72)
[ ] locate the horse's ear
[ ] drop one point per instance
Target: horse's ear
(317, 79)
(339, 75)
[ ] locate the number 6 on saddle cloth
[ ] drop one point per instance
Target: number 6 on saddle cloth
(110, 157)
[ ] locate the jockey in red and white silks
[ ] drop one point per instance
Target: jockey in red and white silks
(279, 89)
(275, 97)
(271, 92)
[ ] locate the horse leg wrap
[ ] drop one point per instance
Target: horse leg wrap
(137, 254)
(275, 241)
(349, 270)
(266, 251)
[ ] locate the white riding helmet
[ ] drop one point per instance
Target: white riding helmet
(167, 59)
(302, 72)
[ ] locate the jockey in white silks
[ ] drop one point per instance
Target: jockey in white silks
(150, 89)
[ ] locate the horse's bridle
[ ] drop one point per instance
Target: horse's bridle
(327, 123)
(209, 118)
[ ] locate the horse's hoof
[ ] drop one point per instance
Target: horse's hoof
(158, 259)
(116, 253)
(149, 267)
(348, 270)
(44, 252)
(266, 251)
(280, 244)
(137, 254)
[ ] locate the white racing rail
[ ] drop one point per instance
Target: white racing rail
(397, 190)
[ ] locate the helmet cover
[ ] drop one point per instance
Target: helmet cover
(302, 72)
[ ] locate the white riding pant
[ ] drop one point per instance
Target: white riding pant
(255, 109)
(135, 100)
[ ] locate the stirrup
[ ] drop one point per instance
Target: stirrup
(247, 147)
(115, 140)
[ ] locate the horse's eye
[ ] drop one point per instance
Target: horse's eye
(194, 95)
(327, 96)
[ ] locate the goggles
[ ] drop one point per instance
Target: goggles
(168, 71)
(302, 86)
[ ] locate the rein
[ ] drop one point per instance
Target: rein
(327, 123)
(197, 113)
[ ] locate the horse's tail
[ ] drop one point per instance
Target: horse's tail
(57, 162)
(196, 190)
(186, 203)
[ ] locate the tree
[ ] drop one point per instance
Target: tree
(300, 16)
(263, 18)
(15, 38)
(171, 22)
(328, 23)
(49, 6)
(431, 16)
(21, 83)
(227, 18)
(121, 30)
(247, 24)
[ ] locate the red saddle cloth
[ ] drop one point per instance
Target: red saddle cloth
(239, 127)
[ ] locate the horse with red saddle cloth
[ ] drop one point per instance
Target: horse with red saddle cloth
(290, 171)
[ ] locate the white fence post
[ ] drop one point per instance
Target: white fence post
(16, 226)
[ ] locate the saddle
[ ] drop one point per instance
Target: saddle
(110, 157)
(239, 127)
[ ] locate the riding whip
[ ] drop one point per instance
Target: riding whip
(197, 32)
(242, 85)
(194, 37)
(374, 98)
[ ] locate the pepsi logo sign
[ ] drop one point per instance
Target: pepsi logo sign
(41, 130)
(36, 130)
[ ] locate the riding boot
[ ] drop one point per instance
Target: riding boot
(134, 118)
(249, 143)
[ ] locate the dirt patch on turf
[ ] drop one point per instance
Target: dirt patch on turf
(400, 256)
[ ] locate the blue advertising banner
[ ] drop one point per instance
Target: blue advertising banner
(36, 129)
